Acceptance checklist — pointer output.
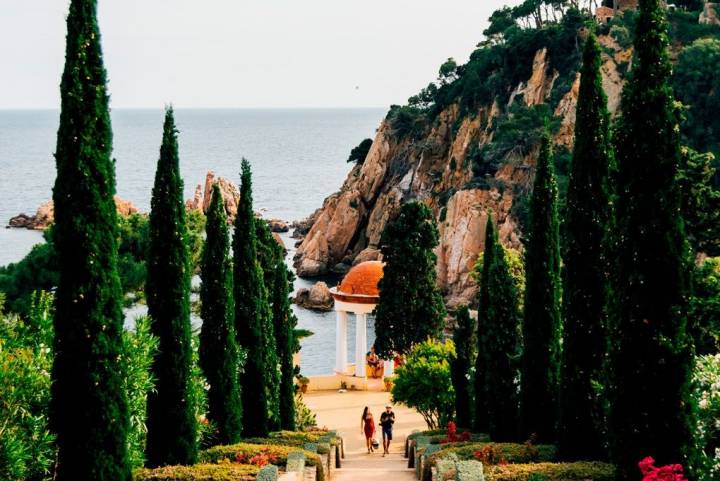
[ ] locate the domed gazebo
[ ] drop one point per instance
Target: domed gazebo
(358, 293)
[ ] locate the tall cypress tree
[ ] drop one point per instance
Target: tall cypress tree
(171, 423)
(586, 274)
(89, 412)
(464, 339)
(219, 355)
(498, 339)
(541, 320)
(271, 258)
(279, 284)
(251, 314)
(650, 349)
(410, 307)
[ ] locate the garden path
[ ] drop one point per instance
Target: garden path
(342, 411)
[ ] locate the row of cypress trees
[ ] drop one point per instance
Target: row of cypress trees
(242, 301)
(608, 368)
(89, 411)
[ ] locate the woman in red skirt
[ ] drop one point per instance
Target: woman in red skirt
(367, 427)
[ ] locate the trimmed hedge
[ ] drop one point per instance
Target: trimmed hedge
(295, 462)
(469, 471)
(199, 472)
(268, 473)
(580, 471)
(510, 452)
(229, 453)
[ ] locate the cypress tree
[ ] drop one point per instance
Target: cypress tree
(251, 314)
(498, 339)
(410, 308)
(650, 350)
(280, 284)
(219, 355)
(271, 258)
(586, 273)
(541, 320)
(464, 338)
(171, 423)
(89, 411)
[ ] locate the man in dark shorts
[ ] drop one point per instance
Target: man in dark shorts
(387, 419)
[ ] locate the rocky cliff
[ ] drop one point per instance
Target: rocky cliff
(436, 168)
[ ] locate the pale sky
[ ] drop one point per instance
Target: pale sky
(244, 53)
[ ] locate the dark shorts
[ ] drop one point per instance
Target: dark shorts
(387, 433)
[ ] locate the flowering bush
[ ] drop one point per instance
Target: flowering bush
(706, 395)
(489, 454)
(670, 472)
(452, 436)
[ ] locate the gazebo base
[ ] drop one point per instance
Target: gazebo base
(334, 382)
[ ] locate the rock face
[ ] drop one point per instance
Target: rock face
(229, 191)
(318, 298)
(709, 15)
(45, 215)
(436, 169)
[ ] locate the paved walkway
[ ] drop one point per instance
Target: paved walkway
(342, 411)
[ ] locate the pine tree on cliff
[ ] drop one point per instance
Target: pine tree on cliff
(219, 355)
(541, 320)
(171, 421)
(410, 308)
(89, 411)
(650, 348)
(464, 339)
(497, 340)
(586, 281)
(270, 256)
(251, 314)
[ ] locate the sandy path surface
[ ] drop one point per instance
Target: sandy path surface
(342, 411)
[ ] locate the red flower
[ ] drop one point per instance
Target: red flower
(670, 472)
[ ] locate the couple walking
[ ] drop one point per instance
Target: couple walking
(367, 427)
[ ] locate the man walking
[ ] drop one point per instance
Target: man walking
(387, 419)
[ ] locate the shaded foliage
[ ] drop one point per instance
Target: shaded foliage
(410, 308)
(172, 426)
(89, 410)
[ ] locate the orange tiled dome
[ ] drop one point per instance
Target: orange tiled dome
(362, 279)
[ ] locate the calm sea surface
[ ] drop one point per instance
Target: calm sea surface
(298, 157)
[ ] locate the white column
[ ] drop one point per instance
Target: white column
(341, 341)
(389, 368)
(360, 344)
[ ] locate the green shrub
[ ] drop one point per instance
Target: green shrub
(469, 471)
(220, 454)
(706, 398)
(322, 439)
(510, 452)
(27, 449)
(580, 471)
(423, 382)
(139, 346)
(305, 419)
(268, 473)
(199, 472)
(295, 462)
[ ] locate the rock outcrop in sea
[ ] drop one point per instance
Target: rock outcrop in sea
(318, 298)
(45, 215)
(437, 169)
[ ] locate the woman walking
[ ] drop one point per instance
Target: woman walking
(367, 427)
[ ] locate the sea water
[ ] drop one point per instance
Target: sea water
(298, 157)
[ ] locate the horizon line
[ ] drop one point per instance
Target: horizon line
(28, 109)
